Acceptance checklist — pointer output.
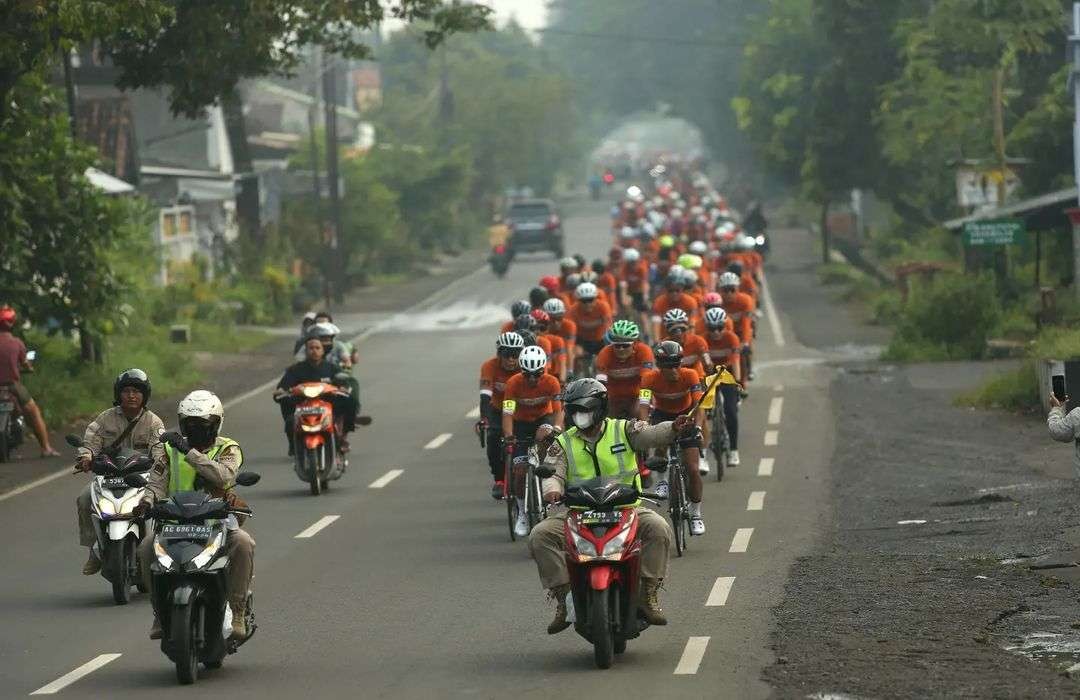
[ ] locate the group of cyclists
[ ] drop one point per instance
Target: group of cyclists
(669, 316)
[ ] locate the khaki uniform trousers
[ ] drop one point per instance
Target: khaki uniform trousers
(87, 534)
(240, 547)
(547, 540)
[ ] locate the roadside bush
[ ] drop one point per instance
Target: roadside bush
(1017, 390)
(952, 316)
(886, 307)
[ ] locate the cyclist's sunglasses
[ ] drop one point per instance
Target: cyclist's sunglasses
(622, 346)
(509, 352)
(729, 289)
(678, 330)
(534, 373)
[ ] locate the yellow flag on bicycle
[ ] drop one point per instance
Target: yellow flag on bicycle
(709, 401)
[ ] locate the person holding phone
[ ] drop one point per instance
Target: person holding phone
(14, 359)
(1064, 427)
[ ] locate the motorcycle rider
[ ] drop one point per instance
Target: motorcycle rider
(314, 368)
(341, 354)
(198, 457)
(128, 424)
(494, 374)
(305, 323)
(12, 361)
(600, 445)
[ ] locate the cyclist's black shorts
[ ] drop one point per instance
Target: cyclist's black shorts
(592, 347)
(637, 300)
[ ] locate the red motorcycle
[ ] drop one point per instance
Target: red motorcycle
(603, 555)
(317, 435)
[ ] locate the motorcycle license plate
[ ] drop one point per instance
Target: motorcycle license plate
(594, 517)
(180, 531)
(114, 482)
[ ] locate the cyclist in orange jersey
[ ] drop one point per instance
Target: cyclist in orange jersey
(620, 367)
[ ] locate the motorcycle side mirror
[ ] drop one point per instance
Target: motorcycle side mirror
(247, 478)
(73, 440)
(363, 420)
(136, 481)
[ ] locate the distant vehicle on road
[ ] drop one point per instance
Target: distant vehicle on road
(536, 225)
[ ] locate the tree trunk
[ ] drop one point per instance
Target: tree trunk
(247, 200)
(825, 243)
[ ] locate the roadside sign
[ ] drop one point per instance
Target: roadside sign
(994, 232)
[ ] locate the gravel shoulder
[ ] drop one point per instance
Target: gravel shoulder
(923, 582)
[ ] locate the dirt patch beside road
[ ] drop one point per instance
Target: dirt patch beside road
(926, 608)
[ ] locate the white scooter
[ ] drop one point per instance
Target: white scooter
(118, 531)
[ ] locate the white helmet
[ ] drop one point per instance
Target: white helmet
(715, 317)
(532, 360)
(630, 255)
(201, 416)
(648, 229)
(586, 291)
(690, 278)
(510, 339)
(589, 276)
(675, 317)
(628, 232)
(746, 243)
(568, 263)
(555, 306)
(699, 247)
(729, 279)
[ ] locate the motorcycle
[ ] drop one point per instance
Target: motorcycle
(603, 556)
(499, 259)
(317, 434)
(189, 578)
(12, 423)
(118, 531)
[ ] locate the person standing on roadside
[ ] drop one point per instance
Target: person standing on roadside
(1065, 427)
(12, 361)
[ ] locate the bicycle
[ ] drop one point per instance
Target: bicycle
(678, 500)
(535, 507)
(719, 439)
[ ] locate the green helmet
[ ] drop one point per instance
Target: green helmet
(625, 331)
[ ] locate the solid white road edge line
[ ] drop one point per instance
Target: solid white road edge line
(438, 441)
(692, 655)
(756, 501)
(386, 478)
(262, 388)
(776, 410)
(741, 541)
(774, 317)
(772, 438)
(69, 678)
(475, 413)
(720, 591)
(317, 526)
(765, 466)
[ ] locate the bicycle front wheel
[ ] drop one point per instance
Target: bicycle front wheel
(678, 507)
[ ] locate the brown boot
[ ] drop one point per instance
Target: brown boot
(92, 565)
(239, 623)
(155, 628)
(558, 594)
(650, 601)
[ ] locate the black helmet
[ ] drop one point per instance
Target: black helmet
(524, 322)
(520, 307)
(586, 395)
(668, 353)
(537, 297)
(735, 267)
(132, 377)
(598, 266)
(580, 260)
(528, 337)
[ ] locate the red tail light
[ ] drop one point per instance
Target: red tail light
(553, 222)
(500, 249)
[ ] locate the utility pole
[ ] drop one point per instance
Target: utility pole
(1074, 45)
(313, 146)
(334, 264)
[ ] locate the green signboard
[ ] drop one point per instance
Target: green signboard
(994, 232)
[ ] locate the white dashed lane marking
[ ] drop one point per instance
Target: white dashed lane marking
(741, 541)
(720, 591)
(69, 678)
(692, 656)
(772, 438)
(765, 466)
(776, 408)
(316, 527)
(386, 478)
(756, 501)
(438, 441)
(474, 414)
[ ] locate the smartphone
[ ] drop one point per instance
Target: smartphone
(1058, 383)
(31, 355)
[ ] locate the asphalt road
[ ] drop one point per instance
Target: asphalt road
(414, 590)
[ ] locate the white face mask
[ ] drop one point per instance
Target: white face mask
(583, 420)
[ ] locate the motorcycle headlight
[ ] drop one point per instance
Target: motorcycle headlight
(162, 556)
(614, 546)
(584, 547)
(106, 506)
(203, 557)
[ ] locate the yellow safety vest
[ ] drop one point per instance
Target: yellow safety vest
(613, 455)
(181, 474)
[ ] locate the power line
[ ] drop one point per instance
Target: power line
(636, 37)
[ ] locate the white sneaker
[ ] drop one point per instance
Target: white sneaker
(733, 458)
(661, 489)
(697, 523)
(521, 527)
(703, 465)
